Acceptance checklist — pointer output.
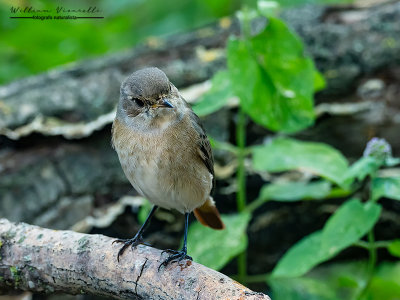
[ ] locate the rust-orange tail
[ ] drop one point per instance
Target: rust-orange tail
(208, 215)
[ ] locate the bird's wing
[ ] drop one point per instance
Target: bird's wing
(204, 146)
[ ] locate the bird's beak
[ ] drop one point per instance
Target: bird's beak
(164, 103)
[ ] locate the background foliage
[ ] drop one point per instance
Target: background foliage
(274, 93)
(26, 50)
(275, 81)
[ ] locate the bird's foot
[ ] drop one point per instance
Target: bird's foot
(175, 256)
(133, 242)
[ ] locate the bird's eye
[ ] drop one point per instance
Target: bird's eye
(138, 102)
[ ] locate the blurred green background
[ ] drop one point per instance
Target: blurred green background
(32, 46)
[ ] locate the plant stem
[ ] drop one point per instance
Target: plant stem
(241, 154)
(372, 254)
(371, 263)
(241, 184)
(242, 267)
(368, 246)
(241, 171)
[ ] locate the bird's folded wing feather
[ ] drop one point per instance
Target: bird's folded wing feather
(204, 146)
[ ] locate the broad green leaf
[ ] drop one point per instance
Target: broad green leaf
(283, 154)
(386, 282)
(365, 166)
(216, 97)
(394, 248)
(273, 78)
(295, 191)
(302, 257)
(388, 187)
(340, 281)
(301, 289)
(281, 54)
(215, 248)
(348, 224)
(331, 281)
(382, 289)
(389, 271)
(344, 277)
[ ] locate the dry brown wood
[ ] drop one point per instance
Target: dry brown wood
(43, 260)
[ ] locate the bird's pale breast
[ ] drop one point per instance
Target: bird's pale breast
(163, 166)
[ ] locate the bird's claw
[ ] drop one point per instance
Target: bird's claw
(175, 256)
(133, 242)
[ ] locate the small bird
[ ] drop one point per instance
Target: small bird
(164, 152)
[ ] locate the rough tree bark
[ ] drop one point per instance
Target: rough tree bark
(44, 260)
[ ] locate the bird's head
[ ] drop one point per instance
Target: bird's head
(149, 100)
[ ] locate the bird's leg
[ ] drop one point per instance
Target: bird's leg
(138, 238)
(175, 254)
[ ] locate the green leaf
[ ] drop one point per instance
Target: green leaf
(301, 289)
(346, 226)
(386, 282)
(339, 192)
(295, 191)
(392, 161)
(383, 289)
(273, 78)
(394, 248)
(215, 248)
(388, 187)
(220, 92)
(365, 166)
(340, 281)
(389, 271)
(301, 258)
(283, 154)
(343, 277)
